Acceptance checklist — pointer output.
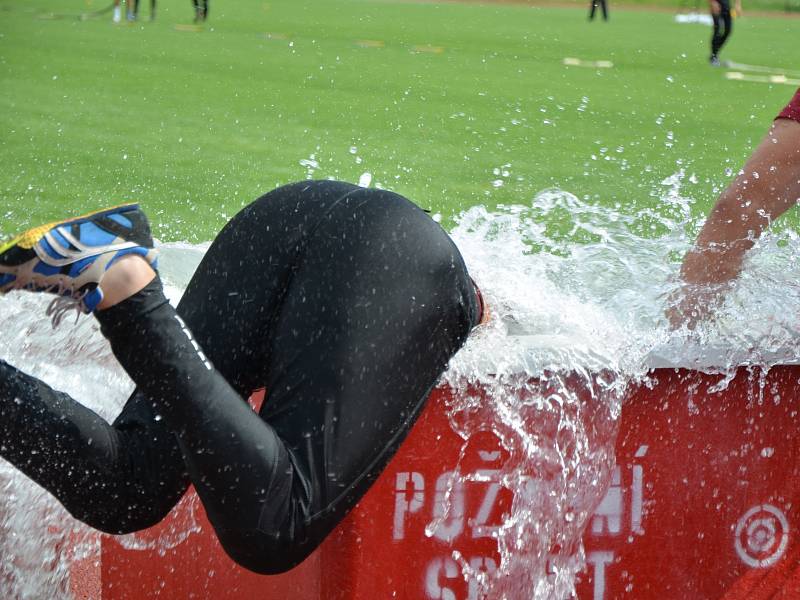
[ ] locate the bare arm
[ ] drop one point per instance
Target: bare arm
(767, 186)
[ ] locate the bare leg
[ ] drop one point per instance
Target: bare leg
(127, 276)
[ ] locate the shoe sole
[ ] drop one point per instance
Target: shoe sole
(28, 239)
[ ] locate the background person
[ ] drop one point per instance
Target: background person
(723, 25)
(593, 7)
(200, 10)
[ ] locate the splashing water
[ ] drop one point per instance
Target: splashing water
(576, 294)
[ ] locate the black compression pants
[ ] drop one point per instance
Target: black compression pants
(723, 25)
(603, 7)
(344, 303)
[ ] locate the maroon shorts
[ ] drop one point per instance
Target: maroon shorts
(792, 110)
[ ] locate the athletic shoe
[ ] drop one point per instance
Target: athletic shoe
(714, 61)
(70, 258)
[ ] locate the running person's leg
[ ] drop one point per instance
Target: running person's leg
(722, 29)
(200, 10)
(727, 23)
(716, 36)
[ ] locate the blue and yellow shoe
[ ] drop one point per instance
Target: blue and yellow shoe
(71, 257)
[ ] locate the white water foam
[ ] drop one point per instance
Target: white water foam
(577, 295)
(586, 319)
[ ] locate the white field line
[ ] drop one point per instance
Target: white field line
(737, 76)
(760, 69)
(593, 64)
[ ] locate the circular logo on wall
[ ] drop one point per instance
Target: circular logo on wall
(761, 536)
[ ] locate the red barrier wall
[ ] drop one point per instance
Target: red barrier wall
(703, 504)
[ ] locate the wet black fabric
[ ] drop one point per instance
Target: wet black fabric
(344, 303)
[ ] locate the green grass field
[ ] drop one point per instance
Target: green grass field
(436, 101)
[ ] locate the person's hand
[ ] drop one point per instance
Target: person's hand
(690, 304)
(706, 275)
(716, 7)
